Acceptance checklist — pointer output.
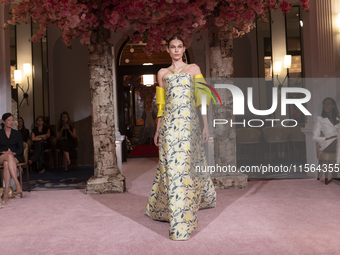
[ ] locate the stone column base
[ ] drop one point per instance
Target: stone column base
(230, 181)
(106, 184)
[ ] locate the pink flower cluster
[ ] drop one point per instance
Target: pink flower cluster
(305, 4)
(242, 13)
(153, 20)
(285, 6)
(74, 19)
(157, 21)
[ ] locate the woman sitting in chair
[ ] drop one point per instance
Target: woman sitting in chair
(24, 131)
(66, 138)
(328, 124)
(40, 136)
(11, 150)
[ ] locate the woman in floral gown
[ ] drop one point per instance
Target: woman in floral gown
(178, 191)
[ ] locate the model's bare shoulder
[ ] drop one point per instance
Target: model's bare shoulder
(195, 69)
(162, 71)
(160, 76)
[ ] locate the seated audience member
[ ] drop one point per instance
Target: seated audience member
(328, 124)
(130, 135)
(40, 138)
(11, 150)
(24, 131)
(66, 138)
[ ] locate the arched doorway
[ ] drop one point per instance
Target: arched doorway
(132, 64)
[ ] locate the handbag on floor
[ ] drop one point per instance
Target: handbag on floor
(10, 192)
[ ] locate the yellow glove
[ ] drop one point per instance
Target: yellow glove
(199, 92)
(160, 100)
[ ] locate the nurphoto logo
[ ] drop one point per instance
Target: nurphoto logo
(238, 104)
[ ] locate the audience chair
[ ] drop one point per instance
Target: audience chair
(248, 136)
(49, 165)
(59, 154)
(324, 158)
(296, 136)
(22, 166)
(276, 135)
(49, 153)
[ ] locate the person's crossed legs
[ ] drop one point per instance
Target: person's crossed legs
(10, 170)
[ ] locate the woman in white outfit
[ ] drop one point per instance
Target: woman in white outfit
(328, 124)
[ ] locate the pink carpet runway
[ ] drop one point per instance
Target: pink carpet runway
(297, 216)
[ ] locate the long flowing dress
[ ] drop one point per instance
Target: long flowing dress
(178, 191)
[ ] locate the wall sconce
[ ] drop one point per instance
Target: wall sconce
(148, 80)
(301, 23)
(27, 72)
(17, 81)
(339, 21)
(287, 61)
(278, 66)
(27, 69)
(17, 77)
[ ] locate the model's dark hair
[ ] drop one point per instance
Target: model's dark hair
(175, 37)
(23, 122)
(40, 117)
(69, 122)
(335, 111)
(5, 117)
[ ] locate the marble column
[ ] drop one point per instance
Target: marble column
(119, 138)
(5, 71)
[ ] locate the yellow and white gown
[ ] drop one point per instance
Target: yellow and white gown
(178, 191)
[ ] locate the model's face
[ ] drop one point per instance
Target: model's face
(64, 118)
(8, 122)
(20, 122)
(328, 106)
(40, 122)
(176, 49)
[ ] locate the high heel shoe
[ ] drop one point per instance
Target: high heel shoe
(18, 193)
(3, 200)
(2, 204)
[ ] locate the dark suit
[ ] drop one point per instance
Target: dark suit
(14, 143)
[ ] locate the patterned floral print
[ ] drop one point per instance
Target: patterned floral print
(178, 192)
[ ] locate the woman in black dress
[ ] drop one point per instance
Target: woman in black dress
(11, 150)
(40, 136)
(149, 127)
(66, 138)
(24, 131)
